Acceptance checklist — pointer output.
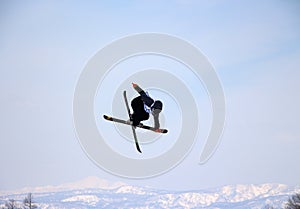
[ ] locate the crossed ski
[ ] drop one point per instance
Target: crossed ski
(132, 127)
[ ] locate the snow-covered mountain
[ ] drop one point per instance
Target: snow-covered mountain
(97, 193)
(87, 183)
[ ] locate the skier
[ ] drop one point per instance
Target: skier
(142, 106)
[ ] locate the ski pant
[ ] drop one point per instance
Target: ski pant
(139, 113)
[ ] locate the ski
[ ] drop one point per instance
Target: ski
(117, 120)
(133, 129)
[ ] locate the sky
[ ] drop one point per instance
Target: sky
(254, 47)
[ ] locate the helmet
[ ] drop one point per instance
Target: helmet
(157, 105)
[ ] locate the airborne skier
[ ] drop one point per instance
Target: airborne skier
(142, 106)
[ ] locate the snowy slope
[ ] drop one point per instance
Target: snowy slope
(103, 194)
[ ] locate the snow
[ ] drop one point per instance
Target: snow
(131, 190)
(240, 193)
(88, 199)
(97, 193)
(199, 198)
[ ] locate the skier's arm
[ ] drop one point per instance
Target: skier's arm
(155, 114)
(137, 88)
(146, 99)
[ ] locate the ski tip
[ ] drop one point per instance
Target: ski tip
(107, 117)
(163, 131)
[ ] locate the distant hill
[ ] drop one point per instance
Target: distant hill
(98, 193)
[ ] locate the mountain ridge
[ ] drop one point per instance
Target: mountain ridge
(93, 192)
(90, 182)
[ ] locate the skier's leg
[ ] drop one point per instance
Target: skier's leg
(135, 103)
(137, 106)
(144, 115)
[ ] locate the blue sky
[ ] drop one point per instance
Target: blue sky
(253, 45)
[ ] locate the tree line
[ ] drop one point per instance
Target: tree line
(27, 203)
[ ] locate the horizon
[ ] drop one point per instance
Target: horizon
(94, 182)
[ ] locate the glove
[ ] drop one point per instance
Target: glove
(136, 87)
